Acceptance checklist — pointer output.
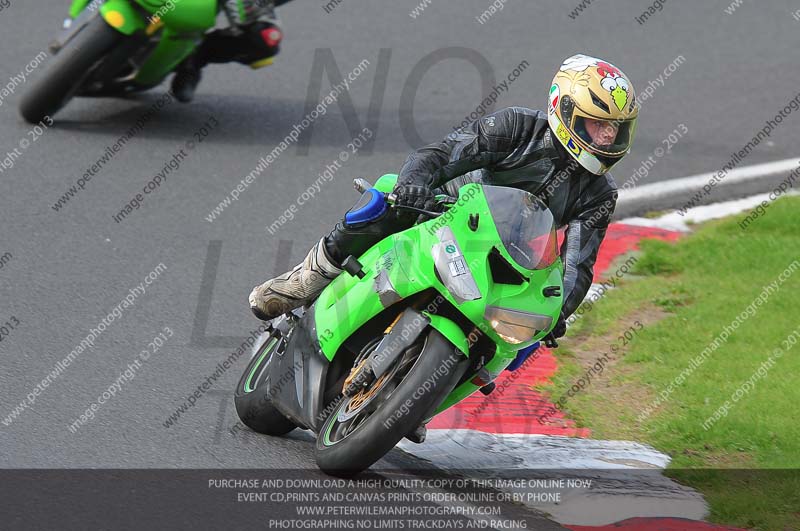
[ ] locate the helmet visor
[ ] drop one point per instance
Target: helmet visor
(605, 137)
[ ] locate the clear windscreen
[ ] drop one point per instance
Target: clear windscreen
(525, 225)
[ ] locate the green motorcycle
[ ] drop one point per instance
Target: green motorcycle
(420, 321)
(114, 47)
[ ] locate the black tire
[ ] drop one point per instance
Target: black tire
(68, 70)
(372, 439)
(251, 399)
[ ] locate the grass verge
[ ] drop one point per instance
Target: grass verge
(703, 351)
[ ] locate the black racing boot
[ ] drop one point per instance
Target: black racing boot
(187, 77)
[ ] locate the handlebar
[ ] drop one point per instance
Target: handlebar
(362, 185)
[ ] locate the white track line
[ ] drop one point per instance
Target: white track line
(696, 182)
(699, 214)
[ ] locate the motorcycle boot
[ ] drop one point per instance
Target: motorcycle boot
(297, 287)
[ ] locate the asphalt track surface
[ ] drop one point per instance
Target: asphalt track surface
(70, 268)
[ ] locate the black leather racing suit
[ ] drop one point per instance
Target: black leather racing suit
(251, 37)
(512, 147)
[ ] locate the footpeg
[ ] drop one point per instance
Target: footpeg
(488, 388)
(353, 266)
(418, 435)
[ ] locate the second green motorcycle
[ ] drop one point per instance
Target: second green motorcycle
(114, 47)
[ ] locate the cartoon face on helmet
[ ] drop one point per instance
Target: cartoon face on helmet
(592, 110)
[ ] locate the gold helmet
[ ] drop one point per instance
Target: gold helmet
(593, 111)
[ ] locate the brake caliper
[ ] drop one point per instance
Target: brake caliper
(359, 378)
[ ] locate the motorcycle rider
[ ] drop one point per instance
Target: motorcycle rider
(253, 38)
(561, 156)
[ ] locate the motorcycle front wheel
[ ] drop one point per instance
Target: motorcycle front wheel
(68, 70)
(364, 427)
(252, 397)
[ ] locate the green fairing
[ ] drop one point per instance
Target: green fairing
(185, 22)
(77, 6)
(133, 20)
(186, 15)
(173, 48)
(386, 183)
(349, 302)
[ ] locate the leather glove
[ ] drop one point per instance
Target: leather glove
(414, 195)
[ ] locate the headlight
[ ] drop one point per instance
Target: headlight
(515, 326)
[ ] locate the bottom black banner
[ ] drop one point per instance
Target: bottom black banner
(308, 499)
